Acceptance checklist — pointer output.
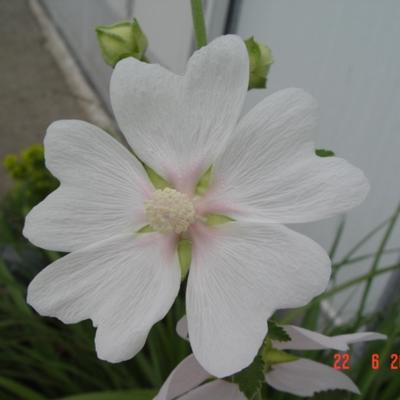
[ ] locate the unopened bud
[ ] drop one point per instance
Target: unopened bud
(121, 40)
(260, 57)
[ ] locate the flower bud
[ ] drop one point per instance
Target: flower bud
(260, 57)
(121, 40)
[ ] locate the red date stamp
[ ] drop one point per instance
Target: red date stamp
(341, 361)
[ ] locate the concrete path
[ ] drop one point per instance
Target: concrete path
(33, 92)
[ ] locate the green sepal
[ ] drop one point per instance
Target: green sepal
(324, 153)
(260, 58)
(204, 182)
(184, 249)
(276, 332)
(146, 229)
(121, 40)
(273, 356)
(217, 219)
(251, 378)
(158, 181)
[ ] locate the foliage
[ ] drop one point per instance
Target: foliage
(32, 183)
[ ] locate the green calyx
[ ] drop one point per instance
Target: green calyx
(218, 219)
(260, 58)
(157, 180)
(121, 40)
(146, 229)
(184, 249)
(274, 356)
(204, 182)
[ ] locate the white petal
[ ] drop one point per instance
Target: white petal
(187, 375)
(304, 339)
(305, 377)
(102, 190)
(216, 390)
(182, 328)
(124, 284)
(360, 337)
(174, 122)
(240, 274)
(270, 171)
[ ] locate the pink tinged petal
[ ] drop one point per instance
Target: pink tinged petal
(177, 124)
(187, 375)
(216, 390)
(102, 190)
(124, 284)
(240, 274)
(182, 328)
(304, 339)
(305, 377)
(270, 171)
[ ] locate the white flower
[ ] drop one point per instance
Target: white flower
(264, 174)
(301, 377)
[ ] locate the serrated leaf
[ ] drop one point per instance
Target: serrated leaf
(276, 332)
(324, 153)
(251, 378)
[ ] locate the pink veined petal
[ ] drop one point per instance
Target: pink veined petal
(124, 284)
(306, 377)
(240, 274)
(178, 124)
(187, 375)
(269, 171)
(304, 339)
(102, 190)
(216, 390)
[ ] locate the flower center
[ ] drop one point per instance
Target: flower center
(169, 211)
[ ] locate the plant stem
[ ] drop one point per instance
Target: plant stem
(369, 276)
(375, 264)
(198, 23)
(294, 313)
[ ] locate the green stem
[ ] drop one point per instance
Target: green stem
(198, 23)
(375, 264)
(364, 240)
(369, 276)
(289, 316)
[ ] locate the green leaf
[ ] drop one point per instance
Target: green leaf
(276, 332)
(218, 219)
(20, 391)
(204, 182)
(158, 181)
(324, 153)
(138, 394)
(185, 256)
(275, 356)
(121, 40)
(251, 378)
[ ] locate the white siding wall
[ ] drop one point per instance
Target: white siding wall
(346, 54)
